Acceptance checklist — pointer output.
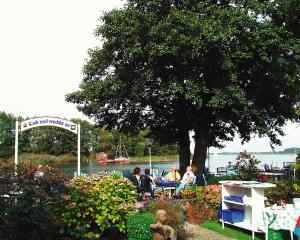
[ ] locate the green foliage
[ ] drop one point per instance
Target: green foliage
(31, 208)
(285, 190)
(106, 143)
(218, 68)
(140, 149)
(46, 158)
(246, 167)
(139, 226)
(60, 143)
(45, 140)
(214, 180)
(6, 134)
(57, 141)
(96, 204)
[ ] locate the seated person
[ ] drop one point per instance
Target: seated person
(136, 179)
(173, 176)
(188, 178)
(148, 182)
(38, 173)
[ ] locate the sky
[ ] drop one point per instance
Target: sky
(43, 47)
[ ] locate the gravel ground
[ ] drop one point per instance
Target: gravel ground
(200, 233)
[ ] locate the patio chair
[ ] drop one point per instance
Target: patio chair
(200, 179)
(221, 171)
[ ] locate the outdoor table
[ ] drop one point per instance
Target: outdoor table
(279, 219)
(268, 175)
(166, 185)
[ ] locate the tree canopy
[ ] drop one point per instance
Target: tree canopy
(217, 68)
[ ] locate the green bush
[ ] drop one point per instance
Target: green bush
(32, 207)
(285, 190)
(97, 204)
(214, 180)
(246, 167)
(139, 226)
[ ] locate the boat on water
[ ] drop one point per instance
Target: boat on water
(119, 157)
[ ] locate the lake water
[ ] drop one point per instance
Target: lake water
(276, 160)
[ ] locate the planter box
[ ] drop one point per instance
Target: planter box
(233, 215)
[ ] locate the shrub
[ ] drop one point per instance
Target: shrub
(199, 214)
(206, 196)
(246, 167)
(139, 226)
(214, 180)
(188, 194)
(209, 196)
(285, 190)
(97, 204)
(31, 208)
(203, 203)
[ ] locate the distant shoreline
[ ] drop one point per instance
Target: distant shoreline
(45, 158)
(256, 153)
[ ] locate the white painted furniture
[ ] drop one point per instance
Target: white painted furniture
(253, 202)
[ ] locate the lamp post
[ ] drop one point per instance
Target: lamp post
(150, 142)
(16, 145)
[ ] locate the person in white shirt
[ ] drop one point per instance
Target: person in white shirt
(188, 178)
(38, 173)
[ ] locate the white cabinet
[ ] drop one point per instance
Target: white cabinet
(252, 204)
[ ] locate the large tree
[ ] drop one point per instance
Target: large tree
(217, 68)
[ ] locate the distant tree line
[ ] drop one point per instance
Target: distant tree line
(57, 141)
(292, 150)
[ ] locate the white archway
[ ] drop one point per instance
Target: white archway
(52, 122)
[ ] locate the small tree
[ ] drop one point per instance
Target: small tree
(246, 166)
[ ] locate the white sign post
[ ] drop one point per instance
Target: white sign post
(52, 122)
(78, 150)
(16, 144)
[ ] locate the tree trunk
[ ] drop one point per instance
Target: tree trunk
(200, 151)
(184, 151)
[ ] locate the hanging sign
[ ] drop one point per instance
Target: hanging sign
(48, 121)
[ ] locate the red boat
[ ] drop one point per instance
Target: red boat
(118, 158)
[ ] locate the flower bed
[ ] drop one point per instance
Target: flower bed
(203, 202)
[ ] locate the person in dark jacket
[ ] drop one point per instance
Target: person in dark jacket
(136, 180)
(148, 182)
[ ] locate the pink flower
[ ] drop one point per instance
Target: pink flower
(208, 196)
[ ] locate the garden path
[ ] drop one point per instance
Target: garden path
(197, 232)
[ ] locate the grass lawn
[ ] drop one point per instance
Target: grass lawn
(231, 231)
